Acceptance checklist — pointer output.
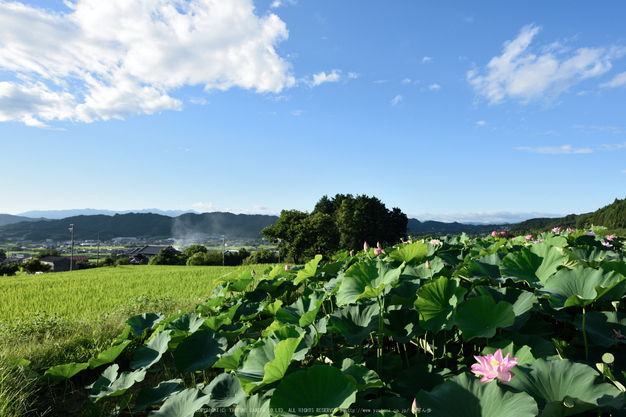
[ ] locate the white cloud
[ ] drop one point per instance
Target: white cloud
(554, 149)
(624, 171)
(380, 81)
(481, 123)
(434, 87)
(426, 59)
(406, 81)
(322, 77)
(521, 74)
(109, 59)
(353, 75)
(198, 100)
(297, 112)
(617, 81)
(397, 99)
(209, 207)
(493, 217)
(278, 3)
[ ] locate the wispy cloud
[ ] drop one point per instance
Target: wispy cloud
(426, 59)
(617, 81)
(523, 74)
(297, 112)
(600, 129)
(109, 59)
(406, 81)
(209, 208)
(278, 3)
(434, 87)
(554, 149)
(380, 81)
(353, 75)
(481, 123)
(397, 99)
(322, 77)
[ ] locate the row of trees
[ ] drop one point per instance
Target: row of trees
(341, 222)
(198, 255)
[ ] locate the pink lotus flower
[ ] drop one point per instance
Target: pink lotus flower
(528, 237)
(366, 247)
(351, 253)
(378, 251)
(494, 234)
(556, 230)
(494, 366)
(503, 233)
(287, 267)
(610, 237)
(252, 271)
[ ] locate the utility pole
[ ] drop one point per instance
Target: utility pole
(223, 248)
(98, 258)
(72, 248)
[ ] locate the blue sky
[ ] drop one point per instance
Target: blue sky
(456, 110)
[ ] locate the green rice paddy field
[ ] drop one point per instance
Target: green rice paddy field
(102, 291)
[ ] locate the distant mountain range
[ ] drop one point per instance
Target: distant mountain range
(62, 214)
(144, 224)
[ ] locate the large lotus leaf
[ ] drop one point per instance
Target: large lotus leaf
(411, 254)
(109, 384)
(481, 316)
(604, 328)
(246, 310)
(138, 324)
(230, 359)
(402, 324)
(436, 303)
(314, 333)
(405, 291)
(241, 283)
(387, 405)
(588, 253)
(309, 270)
(533, 264)
(199, 351)
(224, 390)
(182, 404)
(360, 376)
(355, 321)
(539, 346)
(215, 322)
(366, 279)
(187, 323)
(523, 301)
(485, 266)
(266, 362)
(418, 377)
(151, 352)
(233, 331)
(316, 391)
(156, 395)
(464, 395)
(108, 355)
(283, 331)
(579, 286)
(565, 388)
(255, 406)
(63, 372)
(424, 270)
(303, 311)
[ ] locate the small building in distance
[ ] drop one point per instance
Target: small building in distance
(146, 252)
(58, 263)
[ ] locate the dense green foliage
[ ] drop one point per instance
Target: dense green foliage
(376, 330)
(342, 222)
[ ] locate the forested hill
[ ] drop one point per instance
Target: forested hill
(415, 227)
(612, 217)
(141, 225)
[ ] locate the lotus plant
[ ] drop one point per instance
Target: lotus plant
(494, 366)
(287, 267)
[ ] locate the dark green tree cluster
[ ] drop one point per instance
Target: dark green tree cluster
(34, 265)
(612, 216)
(342, 222)
(261, 256)
(9, 269)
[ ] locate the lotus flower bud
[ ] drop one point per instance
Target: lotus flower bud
(351, 253)
(287, 267)
(503, 233)
(252, 272)
(528, 237)
(415, 407)
(427, 264)
(366, 247)
(378, 251)
(494, 234)
(378, 245)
